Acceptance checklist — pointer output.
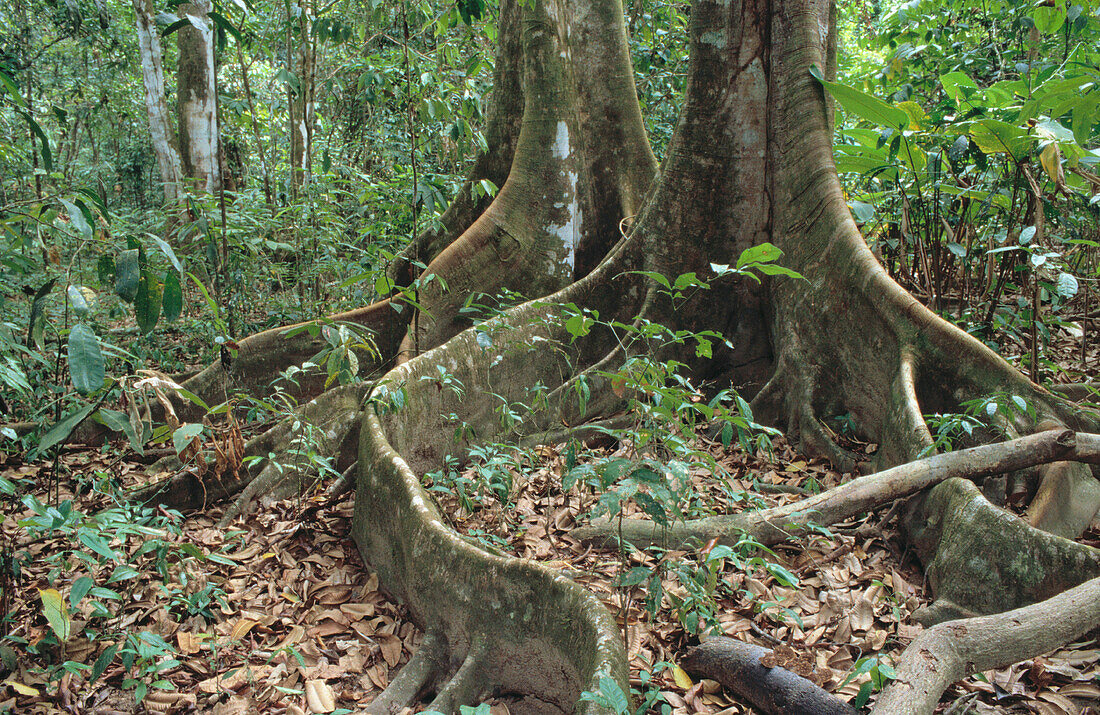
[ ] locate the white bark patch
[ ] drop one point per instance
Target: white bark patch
(566, 232)
(560, 148)
(714, 38)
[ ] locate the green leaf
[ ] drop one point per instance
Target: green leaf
(128, 274)
(763, 253)
(85, 360)
(863, 105)
(102, 662)
(13, 89)
(61, 431)
(57, 614)
(184, 435)
(995, 137)
(959, 87)
(77, 218)
(147, 303)
(97, 544)
(1048, 19)
(614, 694)
(104, 268)
(47, 156)
(172, 300)
(78, 300)
(36, 324)
(1067, 285)
(168, 252)
(120, 422)
(79, 590)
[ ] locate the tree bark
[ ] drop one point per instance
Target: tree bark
(197, 106)
(152, 74)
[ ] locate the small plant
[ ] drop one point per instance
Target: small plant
(881, 675)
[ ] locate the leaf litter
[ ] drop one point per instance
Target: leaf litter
(301, 625)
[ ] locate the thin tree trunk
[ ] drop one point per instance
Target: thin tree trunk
(152, 74)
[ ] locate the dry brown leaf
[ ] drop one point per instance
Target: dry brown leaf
(241, 628)
(319, 697)
(189, 643)
(391, 648)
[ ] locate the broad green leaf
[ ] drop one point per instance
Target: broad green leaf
(36, 324)
(56, 613)
(168, 252)
(79, 590)
(102, 662)
(1049, 19)
(61, 431)
(1067, 285)
(147, 303)
(85, 360)
(994, 137)
(959, 87)
(120, 422)
(184, 436)
(863, 105)
(128, 274)
(762, 253)
(614, 694)
(79, 298)
(13, 89)
(97, 543)
(172, 300)
(77, 218)
(862, 211)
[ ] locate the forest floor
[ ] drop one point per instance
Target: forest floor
(247, 620)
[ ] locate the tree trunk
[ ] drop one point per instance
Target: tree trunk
(152, 74)
(299, 56)
(197, 106)
(750, 162)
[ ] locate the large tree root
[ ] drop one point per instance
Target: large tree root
(770, 526)
(951, 651)
(773, 689)
(980, 559)
(498, 624)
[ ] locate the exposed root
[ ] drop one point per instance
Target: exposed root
(417, 677)
(470, 683)
(1067, 500)
(524, 628)
(951, 651)
(770, 526)
(344, 483)
(910, 432)
(790, 392)
(980, 559)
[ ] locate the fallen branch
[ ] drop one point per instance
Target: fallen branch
(773, 689)
(770, 526)
(949, 652)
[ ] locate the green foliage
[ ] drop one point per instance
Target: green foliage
(962, 119)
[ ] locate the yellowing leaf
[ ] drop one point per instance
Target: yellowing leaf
(683, 680)
(1051, 160)
(22, 689)
(241, 628)
(56, 612)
